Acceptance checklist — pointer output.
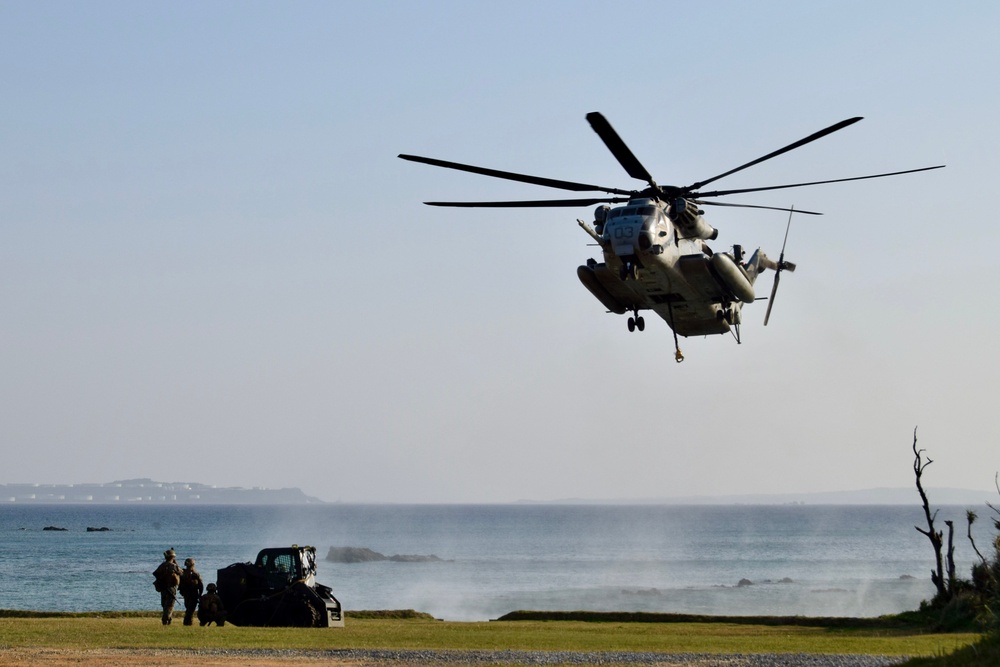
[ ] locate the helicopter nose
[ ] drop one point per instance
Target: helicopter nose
(645, 240)
(624, 249)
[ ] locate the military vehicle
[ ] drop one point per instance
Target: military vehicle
(279, 589)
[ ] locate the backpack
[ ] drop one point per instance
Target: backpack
(167, 576)
(189, 581)
(209, 604)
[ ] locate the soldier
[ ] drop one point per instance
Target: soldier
(190, 589)
(168, 576)
(210, 608)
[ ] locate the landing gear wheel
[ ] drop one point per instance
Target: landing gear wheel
(640, 323)
(631, 324)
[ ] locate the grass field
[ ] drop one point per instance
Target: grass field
(85, 632)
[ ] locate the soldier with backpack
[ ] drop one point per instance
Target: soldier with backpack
(190, 589)
(167, 578)
(210, 609)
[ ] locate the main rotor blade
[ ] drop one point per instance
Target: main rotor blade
(511, 176)
(770, 208)
(618, 148)
(540, 203)
(801, 142)
(722, 193)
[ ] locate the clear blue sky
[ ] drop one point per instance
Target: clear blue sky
(214, 268)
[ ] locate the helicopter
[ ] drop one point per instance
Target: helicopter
(655, 242)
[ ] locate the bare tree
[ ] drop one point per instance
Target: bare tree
(996, 510)
(970, 517)
(920, 463)
(951, 557)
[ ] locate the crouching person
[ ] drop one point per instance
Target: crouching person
(210, 608)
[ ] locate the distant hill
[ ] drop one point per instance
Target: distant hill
(148, 491)
(880, 496)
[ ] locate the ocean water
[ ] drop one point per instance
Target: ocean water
(801, 559)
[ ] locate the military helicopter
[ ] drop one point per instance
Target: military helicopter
(656, 255)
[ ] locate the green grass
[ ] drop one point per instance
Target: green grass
(904, 621)
(144, 631)
(984, 653)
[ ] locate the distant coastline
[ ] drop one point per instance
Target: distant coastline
(879, 496)
(148, 491)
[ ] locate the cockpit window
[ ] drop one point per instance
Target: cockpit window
(631, 210)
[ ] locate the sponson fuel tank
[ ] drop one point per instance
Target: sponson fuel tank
(733, 277)
(590, 280)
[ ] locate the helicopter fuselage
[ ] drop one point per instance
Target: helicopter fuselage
(651, 264)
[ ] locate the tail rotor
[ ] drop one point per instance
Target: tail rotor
(782, 265)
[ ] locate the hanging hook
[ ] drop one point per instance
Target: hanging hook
(678, 356)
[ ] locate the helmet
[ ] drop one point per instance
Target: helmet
(169, 553)
(189, 562)
(211, 588)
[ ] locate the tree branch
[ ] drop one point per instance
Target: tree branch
(920, 463)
